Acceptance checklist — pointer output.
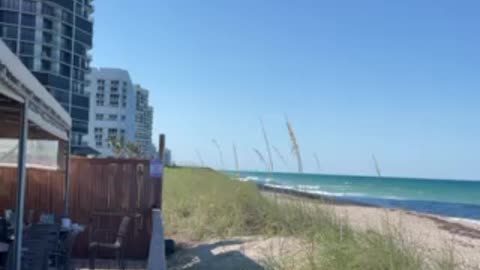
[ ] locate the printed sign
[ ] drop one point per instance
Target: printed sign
(156, 168)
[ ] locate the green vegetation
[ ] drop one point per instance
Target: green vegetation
(204, 204)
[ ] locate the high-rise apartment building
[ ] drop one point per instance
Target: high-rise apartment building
(52, 38)
(112, 109)
(144, 122)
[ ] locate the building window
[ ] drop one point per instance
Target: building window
(100, 82)
(9, 17)
(98, 136)
(48, 10)
(123, 117)
(29, 6)
(114, 83)
(8, 32)
(65, 57)
(80, 49)
(47, 38)
(28, 34)
(47, 24)
(100, 99)
(67, 17)
(46, 65)
(26, 48)
(99, 116)
(65, 70)
(28, 20)
(66, 44)
(112, 133)
(114, 100)
(46, 52)
(78, 9)
(66, 30)
(112, 117)
(12, 4)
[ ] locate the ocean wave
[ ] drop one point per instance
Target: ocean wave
(466, 220)
(249, 178)
(308, 187)
(315, 190)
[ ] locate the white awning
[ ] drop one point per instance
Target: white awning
(17, 83)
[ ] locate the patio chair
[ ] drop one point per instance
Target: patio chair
(118, 246)
(49, 234)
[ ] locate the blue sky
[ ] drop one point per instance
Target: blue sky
(400, 79)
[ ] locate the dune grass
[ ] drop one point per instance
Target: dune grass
(203, 204)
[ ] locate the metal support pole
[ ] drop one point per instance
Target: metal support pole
(67, 176)
(22, 160)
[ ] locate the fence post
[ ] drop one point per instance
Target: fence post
(159, 182)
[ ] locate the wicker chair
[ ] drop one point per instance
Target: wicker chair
(118, 246)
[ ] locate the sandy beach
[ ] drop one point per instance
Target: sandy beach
(435, 236)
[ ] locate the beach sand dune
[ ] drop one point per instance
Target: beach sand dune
(436, 237)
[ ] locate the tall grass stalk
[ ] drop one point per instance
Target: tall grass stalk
(280, 156)
(377, 168)
(262, 159)
(220, 154)
(317, 161)
(235, 157)
(295, 146)
(267, 145)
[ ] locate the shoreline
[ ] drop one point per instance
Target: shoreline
(312, 196)
(338, 200)
(434, 235)
(461, 226)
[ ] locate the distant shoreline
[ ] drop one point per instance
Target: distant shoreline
(320, 197)
(339, 200)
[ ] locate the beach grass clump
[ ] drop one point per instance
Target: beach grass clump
(202, 204)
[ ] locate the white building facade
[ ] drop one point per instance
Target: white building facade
(144, 122)
(113, 108)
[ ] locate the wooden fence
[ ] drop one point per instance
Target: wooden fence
(102, 191)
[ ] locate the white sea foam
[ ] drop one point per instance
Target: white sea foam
(465, 220)
(248, 178)
(315, 190)
(307, 187)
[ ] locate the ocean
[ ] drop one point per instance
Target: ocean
(450, 198)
